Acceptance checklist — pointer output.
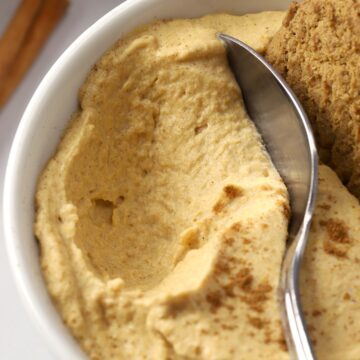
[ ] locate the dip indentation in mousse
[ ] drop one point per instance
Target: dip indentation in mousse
(145, 149)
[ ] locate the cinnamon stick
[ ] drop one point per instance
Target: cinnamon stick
(15, 33)
(48, 15)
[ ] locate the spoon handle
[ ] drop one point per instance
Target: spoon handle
(296, 334)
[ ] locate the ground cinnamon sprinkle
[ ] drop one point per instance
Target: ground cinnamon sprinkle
(324, 206)
(244, 279)
(311, 328)
(282, 342)
(214, 299)
(221, 267)
(316, 313)
(232, 191)
(338, 240)
(200, 129)
(285, 208)
(229, 290)
(266, 187)
(236, 226)
(254, 297)
(331, 249)
(228, 327)
(219, 206)
(236, 281)
(337, 230)
(257, 322)
(229, 241)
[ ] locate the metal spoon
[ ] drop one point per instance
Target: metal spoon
(288, 138)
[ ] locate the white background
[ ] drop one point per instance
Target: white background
(20, 339)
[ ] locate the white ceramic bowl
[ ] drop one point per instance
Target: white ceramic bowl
(42, 125)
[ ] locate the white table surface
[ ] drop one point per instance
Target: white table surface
(20, 339)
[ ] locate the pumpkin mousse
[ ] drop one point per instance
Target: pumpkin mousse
(161, 218)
